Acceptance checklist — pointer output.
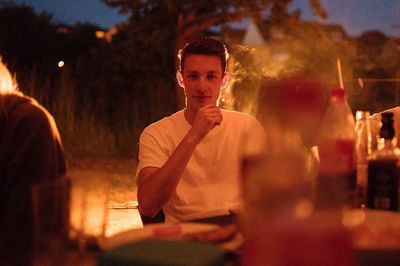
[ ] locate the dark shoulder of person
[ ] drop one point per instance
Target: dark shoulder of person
(23, 109)
(30, 129)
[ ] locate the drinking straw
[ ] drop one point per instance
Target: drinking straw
(360, 82)
(339, 67)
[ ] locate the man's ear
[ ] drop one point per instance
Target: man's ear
(179, 78)
(225, 80)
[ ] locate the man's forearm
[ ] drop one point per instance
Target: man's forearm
(155, 189)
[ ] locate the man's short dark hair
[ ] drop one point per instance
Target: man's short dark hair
(204, 46)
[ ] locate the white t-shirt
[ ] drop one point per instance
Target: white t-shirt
(210, 184)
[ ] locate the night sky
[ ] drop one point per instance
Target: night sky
(72, 11)
(355, 15)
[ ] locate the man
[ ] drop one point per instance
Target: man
(30, 153)
(189, 162)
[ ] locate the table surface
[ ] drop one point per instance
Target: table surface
(120, 220)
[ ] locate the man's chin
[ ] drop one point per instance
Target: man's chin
(199, 105)
(208, 103)
(204, 103)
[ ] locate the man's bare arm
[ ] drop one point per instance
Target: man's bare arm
(156, 185)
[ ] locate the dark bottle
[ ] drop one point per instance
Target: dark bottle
(384, 170)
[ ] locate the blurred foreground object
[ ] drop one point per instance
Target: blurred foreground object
(375, 121)
(163, 252)
(88, 216)
(297, 104)
(282, 223)
(335, 141)
(384, 169)
(51, 208)
(363, 148)
(30, 153)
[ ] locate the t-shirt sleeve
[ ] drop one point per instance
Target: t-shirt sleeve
(152, 153)
(255, 139)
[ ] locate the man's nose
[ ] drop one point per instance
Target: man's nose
(202, 88)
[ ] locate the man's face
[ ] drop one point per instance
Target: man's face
(202, 80)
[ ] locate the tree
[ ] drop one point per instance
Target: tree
(377, 64)
(173, 23)
(22, 30)
(293, 47)
(32, 46)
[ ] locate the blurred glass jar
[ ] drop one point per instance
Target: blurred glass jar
(88, 215)
(281, 224)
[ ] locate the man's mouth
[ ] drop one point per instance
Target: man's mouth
(201, 97)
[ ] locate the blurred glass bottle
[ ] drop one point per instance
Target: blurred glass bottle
(280, 223)
(335, 141)
(363, 149)
(384, 169)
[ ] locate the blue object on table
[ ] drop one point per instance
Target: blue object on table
(163, 252)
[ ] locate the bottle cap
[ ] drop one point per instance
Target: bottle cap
(338, 93)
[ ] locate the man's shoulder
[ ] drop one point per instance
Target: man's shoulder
(237, 115)
(238, 118)
(165, 122)
(26, 117)
(23, 108)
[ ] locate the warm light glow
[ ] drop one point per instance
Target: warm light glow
(6, 82)
(95, 220)
(77, 211)
(88, 214)
(61, 63)
(63, 30)
(303, 209)
(100, 34)
(110, 33)
(360, 83)
(352, 218)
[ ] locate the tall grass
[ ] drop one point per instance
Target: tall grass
(83, 133)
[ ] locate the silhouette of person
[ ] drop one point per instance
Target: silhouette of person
(30, 153)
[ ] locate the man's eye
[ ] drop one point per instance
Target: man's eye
(211, 77)
(192, 76)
